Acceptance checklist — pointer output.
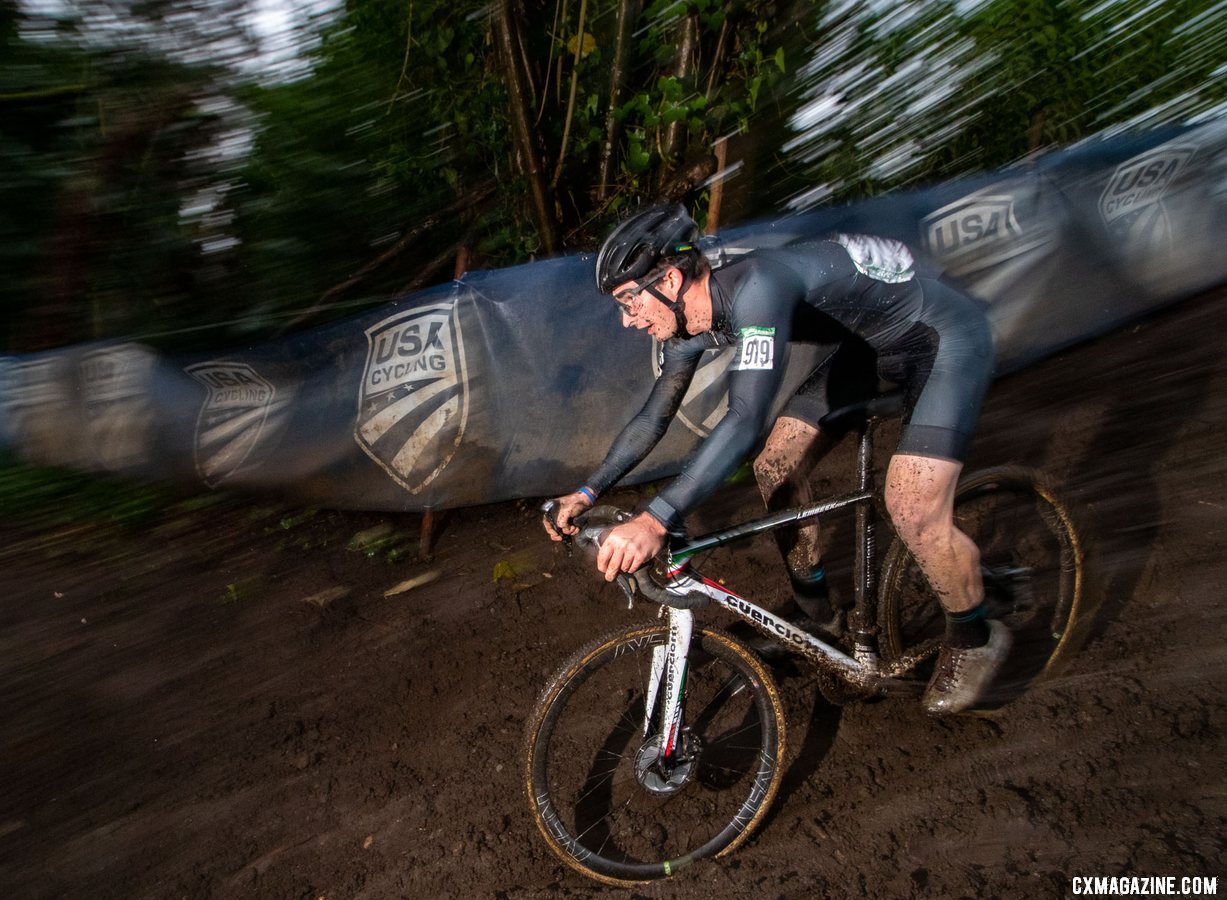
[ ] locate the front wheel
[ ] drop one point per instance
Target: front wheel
(598, 789)
(1033, 563)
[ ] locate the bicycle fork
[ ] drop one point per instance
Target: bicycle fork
(668, 673)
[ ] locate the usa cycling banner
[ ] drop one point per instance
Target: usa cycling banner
(514, 382)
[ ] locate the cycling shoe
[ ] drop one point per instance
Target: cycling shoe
(962, 675)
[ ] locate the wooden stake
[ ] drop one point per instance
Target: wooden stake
(426, 541)
(717, 188)
(430, 522)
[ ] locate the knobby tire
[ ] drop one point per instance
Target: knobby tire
(1019, 524)
(582, 740)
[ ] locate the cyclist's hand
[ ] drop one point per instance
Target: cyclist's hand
(569, 507)
(631, 544)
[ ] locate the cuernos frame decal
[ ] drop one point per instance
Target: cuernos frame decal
(231, 419)
(414, 401)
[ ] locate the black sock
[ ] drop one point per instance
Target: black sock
(968, 629)
(811, 594)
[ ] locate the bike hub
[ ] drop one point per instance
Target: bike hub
(658, 775)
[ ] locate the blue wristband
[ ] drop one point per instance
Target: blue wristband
(587, 492)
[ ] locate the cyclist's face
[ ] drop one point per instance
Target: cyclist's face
(643, 311)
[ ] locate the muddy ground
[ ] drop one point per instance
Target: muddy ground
(228, 705)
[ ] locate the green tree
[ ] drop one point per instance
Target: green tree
(900, 93)
(160, 179)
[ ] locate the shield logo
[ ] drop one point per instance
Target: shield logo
(1141, 182)
(8, 387)
(118, 414)
(41, 412)
(231, 419)
(414, 400)
(1132, 203)
(975, 231)
(707, 400)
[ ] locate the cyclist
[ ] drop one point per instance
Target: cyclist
(929, 337)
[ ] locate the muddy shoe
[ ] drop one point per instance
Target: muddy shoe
(963, 674)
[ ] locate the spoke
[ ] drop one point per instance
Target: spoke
(598, 784)
(597, 781)
(735, 679)
(715, 767)
(610, 754)
(603, 818)
(592, 760)
(723, 739)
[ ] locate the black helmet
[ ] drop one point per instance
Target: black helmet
(637, 245)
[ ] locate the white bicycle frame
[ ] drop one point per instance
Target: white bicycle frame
(669, 660)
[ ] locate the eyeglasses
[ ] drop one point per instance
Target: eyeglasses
(629, 299)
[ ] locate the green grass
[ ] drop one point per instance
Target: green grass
(43, 497)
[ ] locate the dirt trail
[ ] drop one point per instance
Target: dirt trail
(178, 722)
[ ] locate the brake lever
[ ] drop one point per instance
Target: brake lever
(550, 510)
(629, 585)
(626, 582)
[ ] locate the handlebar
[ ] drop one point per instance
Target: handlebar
(593, 525)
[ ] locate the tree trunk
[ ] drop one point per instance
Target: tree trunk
(579, 55)
(516, 80)
(79, 233)
(717, 189)
(628, 13)
(688, 39)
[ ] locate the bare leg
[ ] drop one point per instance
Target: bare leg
(920, 498)
(782, 470)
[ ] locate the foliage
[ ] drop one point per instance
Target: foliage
(91, 238)
(981, 88)
(159, 184)
(50, 498)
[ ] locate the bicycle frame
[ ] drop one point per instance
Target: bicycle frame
(861, 669)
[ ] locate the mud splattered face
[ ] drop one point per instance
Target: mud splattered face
(641, 310)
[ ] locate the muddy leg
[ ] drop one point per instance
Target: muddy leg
(920, 498)
(782, 471)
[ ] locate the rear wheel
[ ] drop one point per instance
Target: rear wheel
(1033, 562)
(600, 793)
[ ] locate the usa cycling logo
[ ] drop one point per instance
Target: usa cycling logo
(1142, 181)
(232, 417)
(414, 400)
(1132, 203)
(39, 409)
(977, 231)
(118, 413)
(707, 399)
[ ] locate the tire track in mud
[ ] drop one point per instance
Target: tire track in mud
(177, 744)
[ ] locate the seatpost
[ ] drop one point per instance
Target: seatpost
(864, 570)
